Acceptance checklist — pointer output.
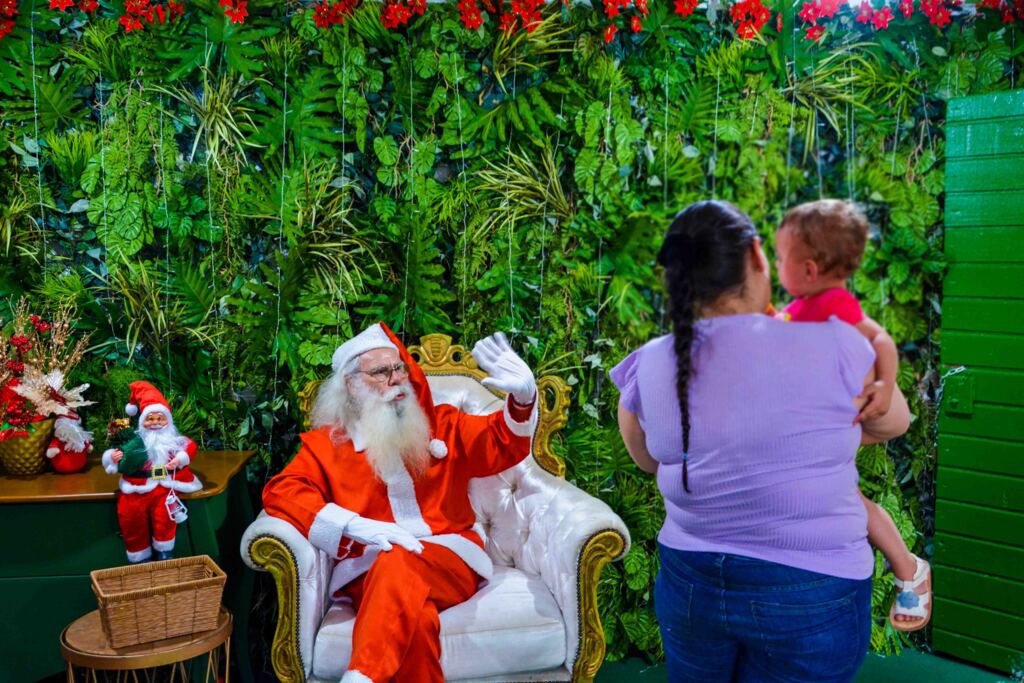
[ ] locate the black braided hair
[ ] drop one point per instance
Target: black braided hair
(704, 255)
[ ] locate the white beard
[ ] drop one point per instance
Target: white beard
(161, 443)
(396, 433)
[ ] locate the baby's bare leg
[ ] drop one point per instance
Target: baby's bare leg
(883, 534)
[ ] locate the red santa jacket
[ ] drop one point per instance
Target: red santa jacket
(327, 484)
(181, 480)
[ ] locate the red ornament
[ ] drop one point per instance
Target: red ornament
(880, 20)
(609, 33)
(684, 8)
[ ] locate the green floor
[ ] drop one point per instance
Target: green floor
(910, 666)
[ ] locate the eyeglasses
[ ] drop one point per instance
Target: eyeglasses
(384, 373)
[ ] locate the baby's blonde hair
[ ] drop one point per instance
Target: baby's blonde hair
(835, 231)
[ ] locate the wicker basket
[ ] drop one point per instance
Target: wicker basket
(155, 600)
(26, 455)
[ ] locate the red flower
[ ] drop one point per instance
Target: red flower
(176, 8)
(864, 13)
(814, 32)
(470, 14)
(611, 8)
(778, 22)
(9, 8)
(507, 23)
(749, 16)
(609, 33)
(16, 366)
(936, 12)
(828, 8)
(528, 12)
(809, 12)
(323, 15)
(417, 6)
(635, 24)
(61, 5)
(684, 8)
(907, 8)
(641, 6)
(239, 13)
(130, 23)
(881, 18)
(6, 26)
(88, 5)
(395, 14)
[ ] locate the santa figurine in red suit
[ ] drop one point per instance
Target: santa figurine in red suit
(148, 508)
(381, 485)
(70, 445)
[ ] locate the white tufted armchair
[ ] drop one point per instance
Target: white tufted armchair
(536, 620)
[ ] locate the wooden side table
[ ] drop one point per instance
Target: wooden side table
(83, 644)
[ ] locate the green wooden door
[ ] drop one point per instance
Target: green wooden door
(979, 516)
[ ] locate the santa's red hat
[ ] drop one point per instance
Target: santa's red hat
(379, 336)
(147, 398)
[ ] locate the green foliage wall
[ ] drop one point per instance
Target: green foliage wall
(226, 203)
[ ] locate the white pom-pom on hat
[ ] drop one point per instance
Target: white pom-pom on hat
(438, 448)
(131, 410)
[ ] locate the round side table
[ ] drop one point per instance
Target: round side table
(83, 644)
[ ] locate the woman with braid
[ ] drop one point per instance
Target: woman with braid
(748, 423)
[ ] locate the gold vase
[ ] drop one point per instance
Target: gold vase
(26, 455)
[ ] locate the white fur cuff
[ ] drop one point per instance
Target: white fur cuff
(354, 676)
(328, 527)
(109, 466)
(183, 459)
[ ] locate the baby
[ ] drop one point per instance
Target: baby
(818, 247)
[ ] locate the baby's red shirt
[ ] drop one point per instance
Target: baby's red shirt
(821, 307)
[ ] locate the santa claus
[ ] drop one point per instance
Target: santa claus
(381, 485)
(148, 509)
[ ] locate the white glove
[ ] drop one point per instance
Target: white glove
(507, 371)
(381, 534)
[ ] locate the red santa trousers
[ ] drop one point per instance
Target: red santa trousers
(397, 630)
(143, 518)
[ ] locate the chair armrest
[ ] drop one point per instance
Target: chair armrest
(302, 574)
(546, 526)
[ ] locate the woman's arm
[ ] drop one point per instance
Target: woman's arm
(892, 424)
(636, 441)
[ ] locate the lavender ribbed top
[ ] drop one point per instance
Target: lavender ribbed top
(772, 467)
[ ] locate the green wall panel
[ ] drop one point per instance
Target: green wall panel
(986, 349)
(983, 138)
(985, 209)
(996, 559)
(982, 522)
(980, 589)
(984, 315)
(992, 105)
(966, 452)
(993, 280)
(985, 174)
(979, 509)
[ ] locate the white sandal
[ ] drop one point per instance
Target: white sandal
(909, 603)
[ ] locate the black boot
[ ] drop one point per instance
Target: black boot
(161, 555)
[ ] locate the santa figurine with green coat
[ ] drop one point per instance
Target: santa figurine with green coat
(154, 467)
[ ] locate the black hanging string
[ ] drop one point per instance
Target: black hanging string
(686, 472)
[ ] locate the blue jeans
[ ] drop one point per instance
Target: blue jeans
(730, 618)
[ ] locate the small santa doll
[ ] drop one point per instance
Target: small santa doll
(154, 468)
(70, 444)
